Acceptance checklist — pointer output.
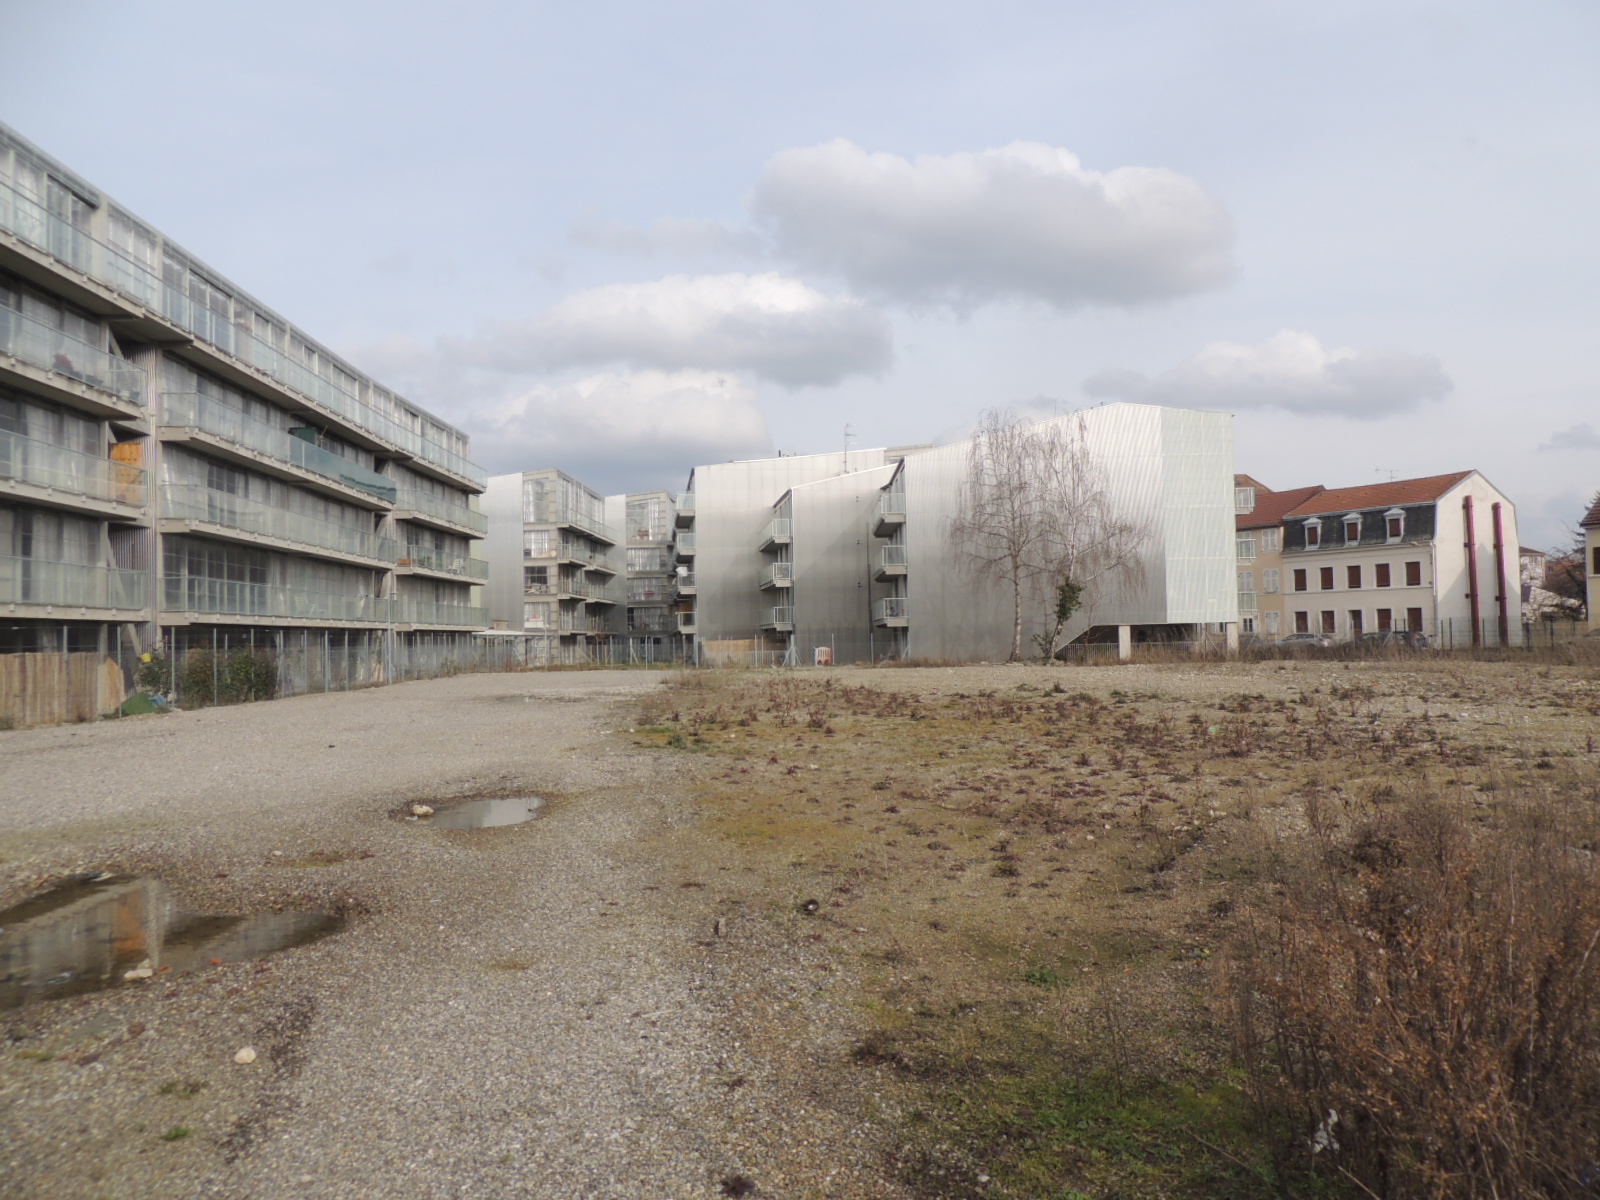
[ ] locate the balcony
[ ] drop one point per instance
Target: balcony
(779, 619)
(187, 508)
(891, 563)
(686, 544)
(70, 587)
(426, 560)
(440, 514)
(70, 365)
(776, 533)
(43, 473)
(29, 222)
(777, 575)
(428, 612)
(575, 518)
(649, 592)
(190, 417)
(685, 508)
(686, 585)
(236, 598)
(585, 555)
(891, 514)
(890, 612)
(686, 622)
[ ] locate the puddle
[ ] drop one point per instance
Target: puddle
(484, 814)
(84, 935)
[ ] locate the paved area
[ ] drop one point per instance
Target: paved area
(544, 1010)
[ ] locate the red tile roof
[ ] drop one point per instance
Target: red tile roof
(1250, 481)
(1593, 517)
(1271, 507)
(1377, 495)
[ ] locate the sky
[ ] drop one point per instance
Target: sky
(623, 239)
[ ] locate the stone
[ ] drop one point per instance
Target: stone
(421, 810)
(245, 1056)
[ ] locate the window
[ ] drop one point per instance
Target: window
(536, 616)
(1313, 534)
(1413, 574)
(1414, 619)
(1245, 547)
(1352, 576)
(1325, 579)
(536, 543)
(1271, 541)
(1269, 580)
(1247, 581)
(1244, 499)
(1248, 624)
(1394, 524)
(1302, 622)
(1385, 620)
(1596, 570)
(1299, 579)
(1272, 621)
(536, 579)
(1381, 575)
(1330, 621)
(1356, 623)
(1352, 529)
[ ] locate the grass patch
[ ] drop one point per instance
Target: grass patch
(177, 1133)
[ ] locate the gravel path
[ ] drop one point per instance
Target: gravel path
(544, 1010)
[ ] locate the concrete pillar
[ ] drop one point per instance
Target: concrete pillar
(1230, 630)
(1124, 642)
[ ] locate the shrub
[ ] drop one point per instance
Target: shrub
(1435, 982)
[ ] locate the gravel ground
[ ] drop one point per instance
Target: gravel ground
(543, 1010)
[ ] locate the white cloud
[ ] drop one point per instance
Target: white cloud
(1026, 220)
(767, 325)
(1290, 371)
(1582, 436)
(624, 431)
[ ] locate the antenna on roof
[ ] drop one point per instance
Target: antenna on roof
(1390, 471)
(849, 436)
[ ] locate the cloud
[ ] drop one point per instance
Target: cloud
(767, 325)
(1582, 436)
(1023, 221)
(672, 237)
(1289, 371)
(623, 431)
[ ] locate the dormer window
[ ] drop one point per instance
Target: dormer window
(1352, 528)
(1313, 533)
(1244, 499)
(1394, 523)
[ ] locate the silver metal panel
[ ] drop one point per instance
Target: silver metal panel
(502, 504)
(832, 555)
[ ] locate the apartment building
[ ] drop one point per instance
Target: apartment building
(177, 460)
(851, 555)
(1259, 547)
(1436, 555)
(1591, 560)
(648, 622)
(554, 565)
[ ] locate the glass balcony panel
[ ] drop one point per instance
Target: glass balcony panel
(69, 585)
(431, 559)
(892, 504)
(777, 528)
(53, 350)
(189, 410)
(894, 556)
(240, 598)
(890, 608)
(194, 503)
(686, 543)
(428, 612)
(777, 574)
(433, 506)
(45, 465)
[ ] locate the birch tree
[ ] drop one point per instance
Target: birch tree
(1000, 520)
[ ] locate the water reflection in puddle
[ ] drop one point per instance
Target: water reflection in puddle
(482, 814)
(87, 934)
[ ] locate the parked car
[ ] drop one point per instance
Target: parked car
(1306, 641)
(1398, 639)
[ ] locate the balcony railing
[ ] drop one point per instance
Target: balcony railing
(685, 581)
(182, 593)
(893, 558)
(571, 514)
(649, 593)
(892, 504)
(890, 608)
(190, 502)
(685, 507)
(428, 558)
(457, 514)
(686, 622)
(776, 531)
(30, 221)
(686, 544)
(190, 410)
(50, 349)
(1245, 549)
(28, 460)
(779, 617)
(1249, 602)
(427, 612)
(69, 585)
(778, 574)
(572, 550)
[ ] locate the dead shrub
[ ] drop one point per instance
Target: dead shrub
(1435, 982)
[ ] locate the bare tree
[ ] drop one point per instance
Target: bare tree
(1001, 515)
(1090, 554)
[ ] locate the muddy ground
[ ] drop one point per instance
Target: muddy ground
(851, 933)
